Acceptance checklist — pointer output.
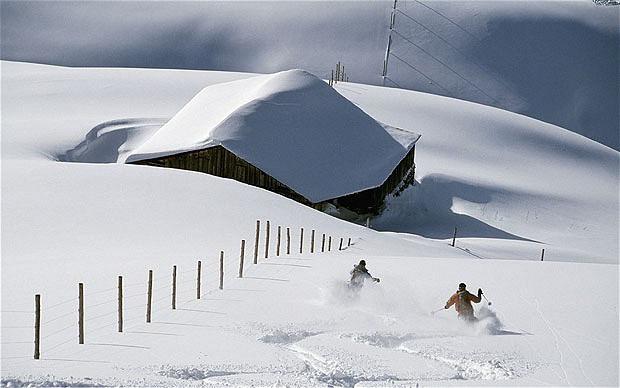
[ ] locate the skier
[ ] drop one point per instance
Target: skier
(359, 274)
(462, 303)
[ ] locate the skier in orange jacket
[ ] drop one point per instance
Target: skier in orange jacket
(462, 302)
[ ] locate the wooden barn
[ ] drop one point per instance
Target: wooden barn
(289, 133)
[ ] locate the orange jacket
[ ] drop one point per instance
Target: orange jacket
(462, 302)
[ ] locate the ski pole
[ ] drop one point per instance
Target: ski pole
(485, 298)
(436, 311)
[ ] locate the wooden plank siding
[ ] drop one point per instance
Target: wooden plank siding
(220, 162)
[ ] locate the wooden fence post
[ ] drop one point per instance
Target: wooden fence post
(256, 241)
(349, 242)
(174, 287)
(198, 279)
(323, 243)
(340, 246)
(241, 258)
(329, 244)
(267, 241)
(301, 241)
(37, 326)
(221, 270)
(312, 242)
(81, 312)
(288, 241)
(120, 304)
(368, 222)
(278, 242)
(454, 237)
(149, 297)
(542, 255)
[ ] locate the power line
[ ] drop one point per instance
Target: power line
(472, 60)
(448, 19)
(384, 75)
(392, 81)
(419, 72)
(446, 66)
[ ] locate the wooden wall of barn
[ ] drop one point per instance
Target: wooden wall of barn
(220, 162)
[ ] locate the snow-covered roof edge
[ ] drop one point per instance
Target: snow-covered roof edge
(406, 138)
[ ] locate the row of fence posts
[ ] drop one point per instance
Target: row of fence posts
(542, 253)
(339, 76)
(288, 243)
(37, 298)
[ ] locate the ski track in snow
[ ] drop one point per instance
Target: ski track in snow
(467, 368)
(330, 372)
(556, 342)
(557, 336)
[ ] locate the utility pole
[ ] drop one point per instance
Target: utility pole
(389, 44)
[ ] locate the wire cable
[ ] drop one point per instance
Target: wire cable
(446, 66)
(469, 58)
(432, 81)
(448, 19)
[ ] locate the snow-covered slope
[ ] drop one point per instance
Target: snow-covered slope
(289, 321)
(492, 173)
(291, 125)
(556, 61)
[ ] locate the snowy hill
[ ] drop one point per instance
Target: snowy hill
(556, 61)
(513, 185)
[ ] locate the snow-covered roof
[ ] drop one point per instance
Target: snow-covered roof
(291, 125)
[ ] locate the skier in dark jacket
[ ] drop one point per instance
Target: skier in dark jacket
(462, 302)
(359, 274)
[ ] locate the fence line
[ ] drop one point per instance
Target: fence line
(128, 308)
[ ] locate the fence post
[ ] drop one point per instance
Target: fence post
(312, 242)
(340, 246)
(368, 222)
(323, 243)
(278, 242)
(174, 287)
(149, 297)
(241, 258)
(198, 279)
(120, 304)
(256, 241)
(37, 325)
(542, 255)
(81, 312)
(329, 244)
(349, 242)
(267, 241)
(288, 241)
(301, 241)
(454, 237)
(221, 270)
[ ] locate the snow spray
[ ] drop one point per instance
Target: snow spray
(488, 322)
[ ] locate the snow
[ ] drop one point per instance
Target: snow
(551, 60)
(291, 125)
(513, 185)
